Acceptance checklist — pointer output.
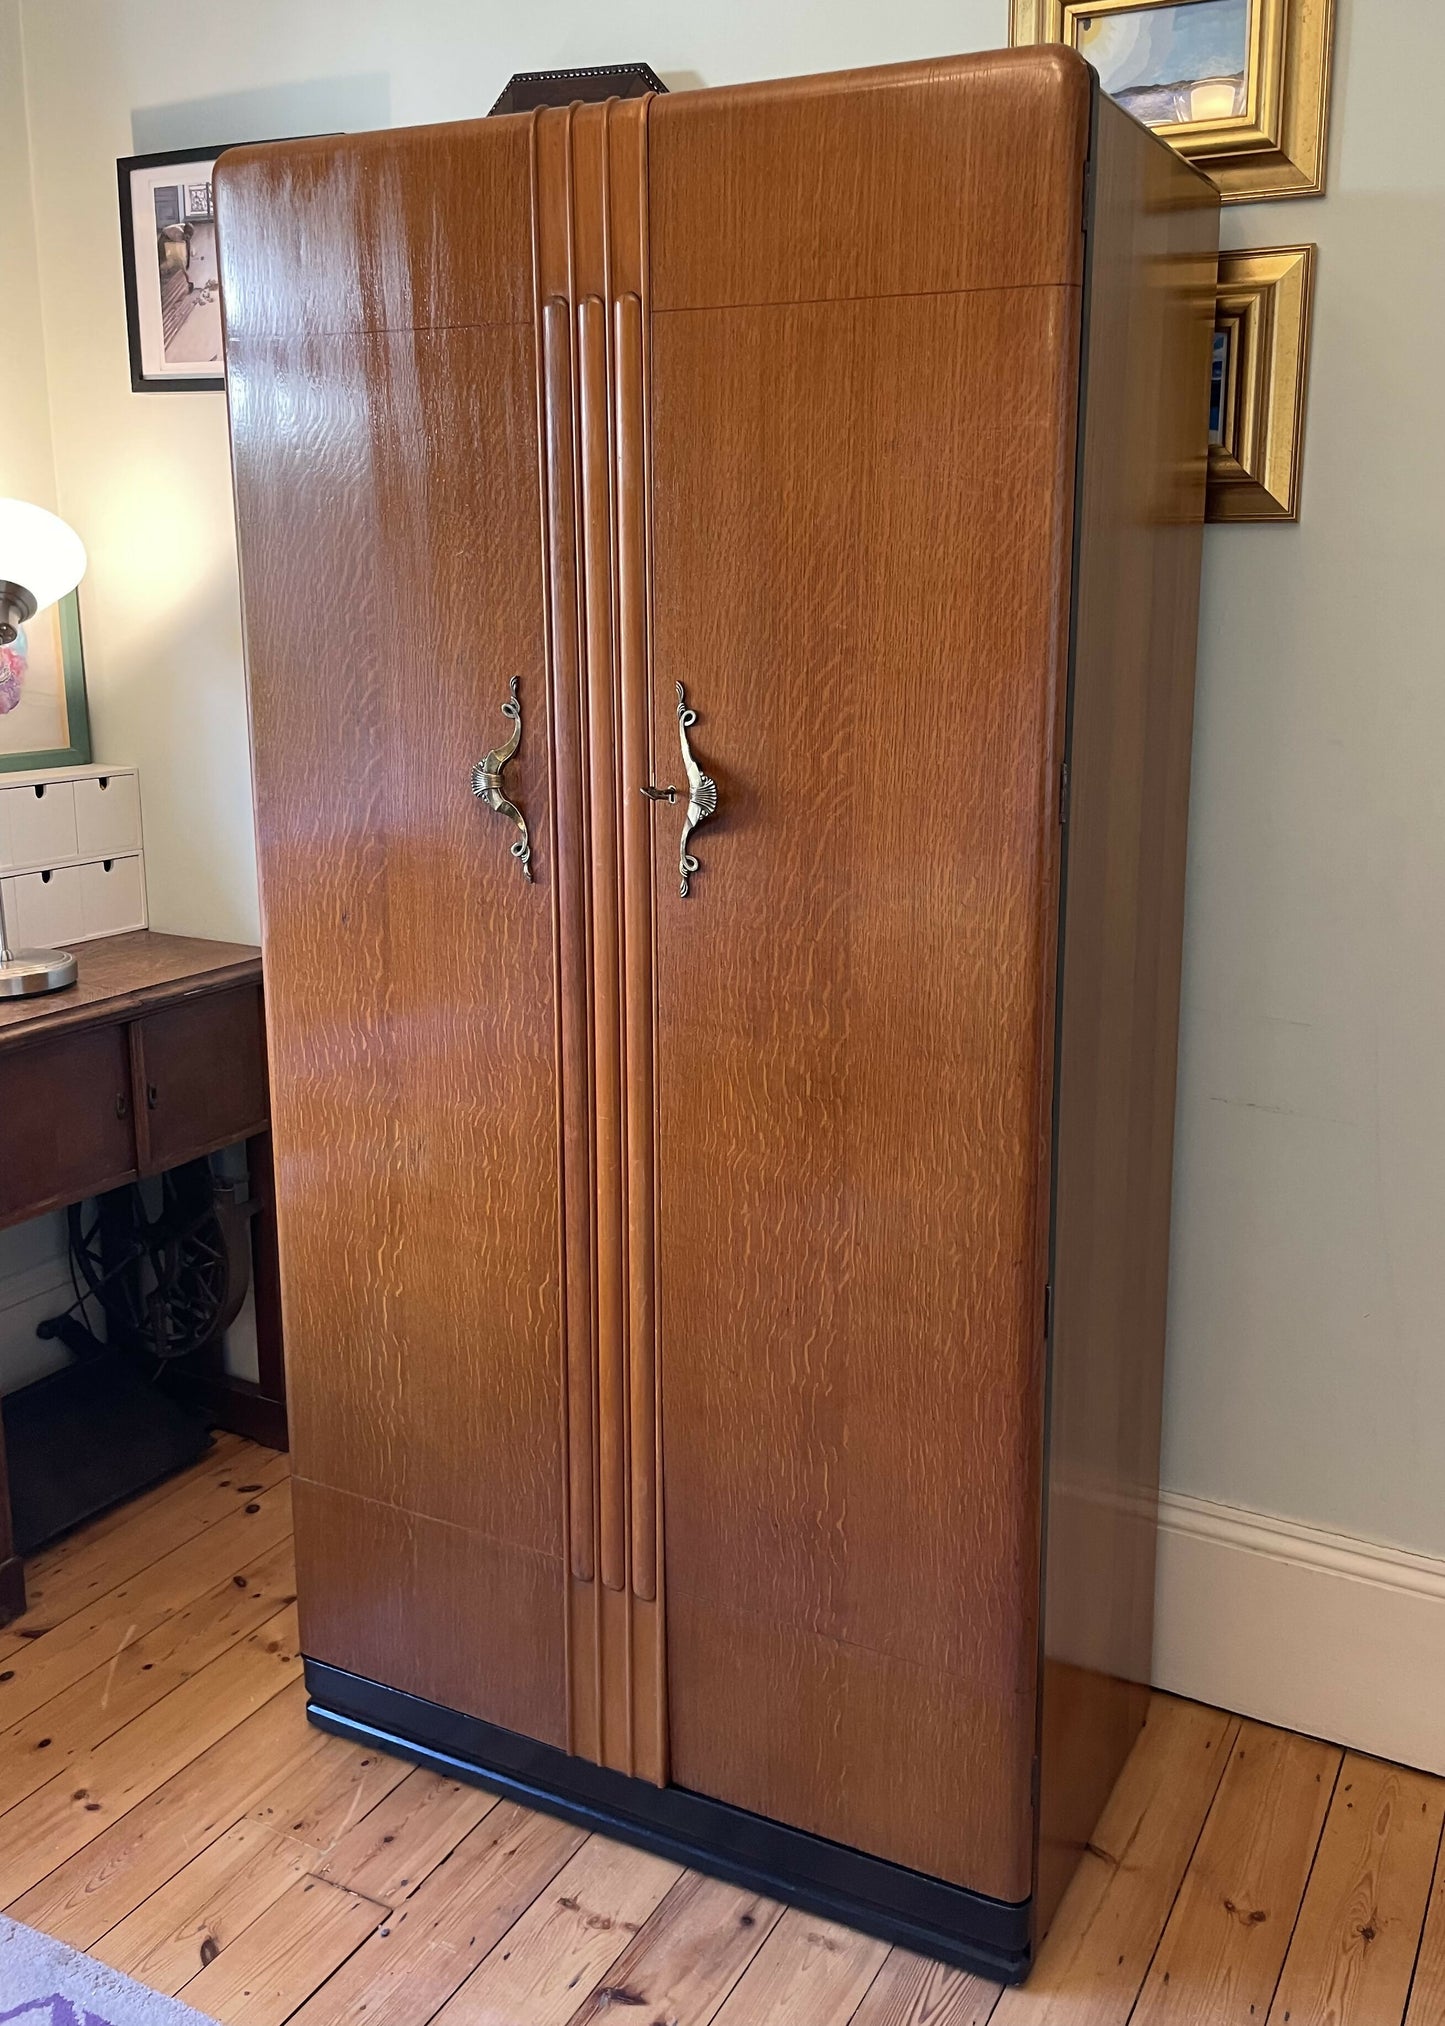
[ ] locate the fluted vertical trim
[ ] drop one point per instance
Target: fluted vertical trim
(590, 250)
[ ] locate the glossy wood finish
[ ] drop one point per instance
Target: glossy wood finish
(124, 975)
(184, 1015)
(590, 254)
(183, 1104)
(855, 1011)
(386, 480)
(110, 1089)
(1154, 232)
(68, 1129)
(411, 229)
(914, 179)
(774, 392)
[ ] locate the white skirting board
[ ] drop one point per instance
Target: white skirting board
(1318, 1632)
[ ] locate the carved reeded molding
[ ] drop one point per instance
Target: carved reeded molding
(589, 212)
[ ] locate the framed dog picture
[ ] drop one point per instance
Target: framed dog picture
(172, 280)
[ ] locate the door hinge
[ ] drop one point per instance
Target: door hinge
(1064, 792)
(1088, 193)
(1048, 1312)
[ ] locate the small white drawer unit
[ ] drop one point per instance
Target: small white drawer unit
(72, 865)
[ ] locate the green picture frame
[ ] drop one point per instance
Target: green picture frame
(64, 619)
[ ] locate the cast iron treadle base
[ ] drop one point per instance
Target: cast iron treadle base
(990, 1936)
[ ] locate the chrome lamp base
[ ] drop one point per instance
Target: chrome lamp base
(25, 971)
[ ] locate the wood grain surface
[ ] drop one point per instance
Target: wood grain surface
(566, 1941)
(589, 191)
(408, 229)
(66, 1104)
(1150, 320)
(209, 1904)
(77, 1898)
(1224, 1945)
(804, 1962)
(694, 1948)
(441, 1611)
(961, 172)
(119, 975)
(277, 1962)
(163, 1061)
(437, 1938)
(386, 480)
(512, 1918)
(1103, 1936)
(1353, 1954)
(853, 1018)
(910, 1990)
(198, 1068)
(771, 391)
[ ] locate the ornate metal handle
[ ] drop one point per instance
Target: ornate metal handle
(701, 792)
(487, 782)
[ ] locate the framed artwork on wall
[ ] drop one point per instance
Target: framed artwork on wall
(43, 718)
(1239, 87)
(172, 281)
(1257, 395)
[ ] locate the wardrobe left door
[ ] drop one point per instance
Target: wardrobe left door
(383, 417)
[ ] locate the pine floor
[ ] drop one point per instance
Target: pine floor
(167, 1808)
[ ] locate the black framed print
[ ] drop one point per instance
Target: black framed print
(172, 280)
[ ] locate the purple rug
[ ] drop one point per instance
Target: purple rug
(44, 1983)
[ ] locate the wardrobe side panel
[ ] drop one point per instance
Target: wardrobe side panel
(1150, 321)
(383, 415)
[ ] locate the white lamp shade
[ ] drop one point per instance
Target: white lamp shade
(38, 552)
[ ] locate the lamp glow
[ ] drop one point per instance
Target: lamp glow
(1215, 98)
(41, 558)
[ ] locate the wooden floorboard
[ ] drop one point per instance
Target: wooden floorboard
(1353, 1951)
(910, 1990)
(1224, 1945)
(165, 1805)
(89, 1638)
(684, 1960)
(1097, 1954)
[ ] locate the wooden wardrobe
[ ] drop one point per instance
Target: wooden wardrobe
(723, 1162)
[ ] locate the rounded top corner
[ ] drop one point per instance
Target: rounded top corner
(1073, 75)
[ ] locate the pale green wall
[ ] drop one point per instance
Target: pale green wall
(27, 463)
(1307, 1347)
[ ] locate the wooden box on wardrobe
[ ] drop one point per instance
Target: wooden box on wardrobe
(725, 1326)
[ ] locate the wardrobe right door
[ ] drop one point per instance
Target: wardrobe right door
(863, 428)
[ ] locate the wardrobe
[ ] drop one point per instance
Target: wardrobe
(720, 586)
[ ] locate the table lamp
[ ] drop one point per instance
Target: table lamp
(41, 559)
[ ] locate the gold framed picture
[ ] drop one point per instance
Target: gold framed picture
(1240, 87)
(1257, 393)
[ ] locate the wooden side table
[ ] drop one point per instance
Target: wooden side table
(156, 1055)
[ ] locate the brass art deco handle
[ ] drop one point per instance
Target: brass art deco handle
(487, 782)
(701, 793)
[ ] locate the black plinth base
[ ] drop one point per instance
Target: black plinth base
(990, 1936)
